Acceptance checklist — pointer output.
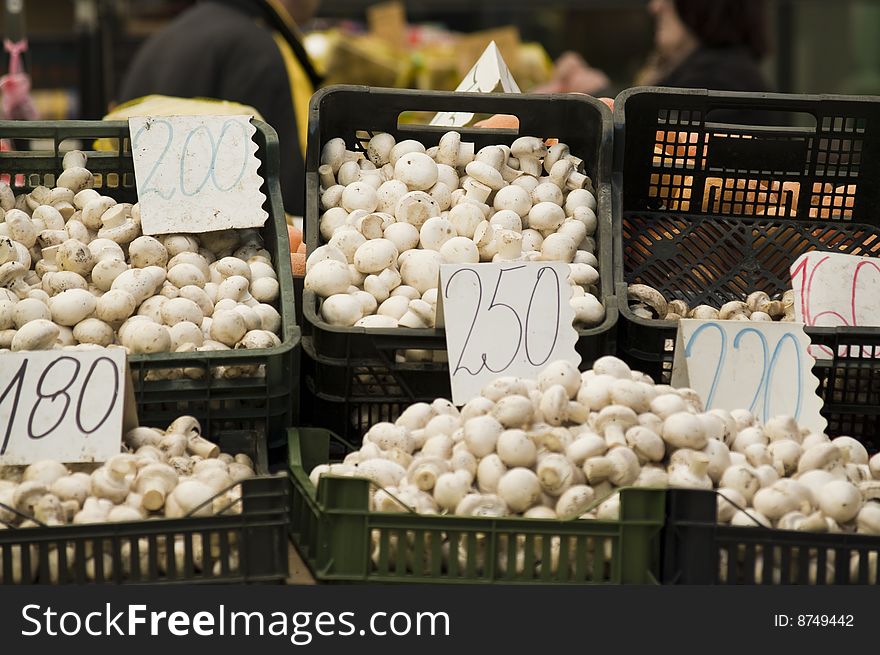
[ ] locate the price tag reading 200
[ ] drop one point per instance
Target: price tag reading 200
(196, 173)
(63, 405)
(505, 319)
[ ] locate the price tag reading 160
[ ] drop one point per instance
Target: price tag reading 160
(505, 319)
(63, 405)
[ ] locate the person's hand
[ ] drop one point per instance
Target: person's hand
(571, 74)
(499, 121)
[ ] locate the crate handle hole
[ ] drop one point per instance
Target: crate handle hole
(497, 123)
(767, 117)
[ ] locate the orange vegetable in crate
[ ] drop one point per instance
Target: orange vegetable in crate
(296, 237)
(298, 262)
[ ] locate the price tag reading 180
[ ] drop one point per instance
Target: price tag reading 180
(62, 405)
(505, 319)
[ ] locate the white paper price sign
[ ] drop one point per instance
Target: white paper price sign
(836, 290)
(760, 366)
(504, 319)
(487, 75)
(196, 173)
(64, 405)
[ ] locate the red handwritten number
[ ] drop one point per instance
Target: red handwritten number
(16, 383)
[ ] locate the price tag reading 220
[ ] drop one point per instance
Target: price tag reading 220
(505, 319)
(63, 405)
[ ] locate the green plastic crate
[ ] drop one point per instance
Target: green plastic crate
(267, 403)
(342, 541)
(247, 547)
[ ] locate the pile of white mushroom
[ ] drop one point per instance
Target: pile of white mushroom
(75, 271)
(169, 473)
(392, 216)
(552, 447)
(558, 447)
(647, 302)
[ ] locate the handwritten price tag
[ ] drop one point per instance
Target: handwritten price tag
(504, 319)
(836, 290)
(64, 405)
(196, 173)
(760, 366)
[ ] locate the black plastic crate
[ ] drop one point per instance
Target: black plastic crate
(698, 551)
(355, 113)
(708, 212)
(261, 402)
(248, 547)
(370, 393)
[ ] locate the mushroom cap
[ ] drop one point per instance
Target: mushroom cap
(617, 415)
(434, 232)
(460, 250)
(485, 174)
(417, 170)
(529, 147)
(648, 296)
(416, 207)
(375, 255)
(546, 216)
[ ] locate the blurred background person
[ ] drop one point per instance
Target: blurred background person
(699, 44)
(244, 51)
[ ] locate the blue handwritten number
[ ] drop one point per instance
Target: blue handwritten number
(769, 374)
(689, 347)
(244, 160)
(763, 339)
(146, 188)
(183, 154)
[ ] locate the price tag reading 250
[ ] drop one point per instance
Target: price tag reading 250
(505, 319)
(63, 405)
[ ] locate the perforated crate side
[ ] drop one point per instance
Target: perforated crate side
(696, 550)
(710, 212)
(342, 541)
(247, 547)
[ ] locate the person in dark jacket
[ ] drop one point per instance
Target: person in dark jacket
(245, 51)
(708, 45)
(698, 44)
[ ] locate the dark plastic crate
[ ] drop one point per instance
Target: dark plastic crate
(260, 402)
(370, 393)
(692, 220)
(342, 541)
(246, 547)
(355, 113)
(698, 551)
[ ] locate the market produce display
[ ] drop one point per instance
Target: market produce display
(647, 302)
(392, 215)
(77, 273)
(171, 473)
(557, 448)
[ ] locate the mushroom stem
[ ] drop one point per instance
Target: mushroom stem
(202, 447)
